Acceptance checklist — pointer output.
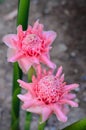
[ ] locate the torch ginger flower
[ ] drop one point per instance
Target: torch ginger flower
(30, 47)
(48, 94)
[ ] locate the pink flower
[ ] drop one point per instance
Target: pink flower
(48, 94)
(30, 47)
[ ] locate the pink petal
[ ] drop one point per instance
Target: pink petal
(50, 35)
(15, 57)
(60, 115)
(39, 70)
(71, 87)
(35, 60)
(62, 77)
(20, 32)
(71, 103)
(47, 62)
(65, 109)
(10, 53)
(29, 29)
(10, 39)
(23, 97)
(59, 71)
(34, 78)
(70, 96)
(27, 86)
(37, 26)
(46, 111)
(27, 104)
(35, 109)
(25, 64)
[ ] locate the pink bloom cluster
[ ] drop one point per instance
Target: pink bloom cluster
(30, 47)
(48, 94)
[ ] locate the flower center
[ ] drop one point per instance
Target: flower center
(47, 89)
(32, 44)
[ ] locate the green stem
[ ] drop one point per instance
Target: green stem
(17, 74)
(23, 10)
(41, 126)
(23, 13)
(28, 114)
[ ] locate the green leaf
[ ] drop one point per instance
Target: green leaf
(79, 125)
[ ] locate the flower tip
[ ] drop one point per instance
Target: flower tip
(76, 105)
(5, 38)
(19, 96)
(19, 81)
(54, 66)
(77, 85)
(37, 20)
(12, 59)
(19, 27)
(55, 35)
(61, 68)
(63, 119)
(59, 71)
(9, 60)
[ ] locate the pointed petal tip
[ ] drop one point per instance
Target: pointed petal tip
(75, 104)
(19, 81)
(59, 71)
(19, 96)
(63, 118)
(5, 38)
(53, 66)
(8, 60)
(11, 60)
(62, 77)
(76, 85)
(60, 68)
(71, 86)
(9, 40)
(48, 62)
(19, 27)
(37, 20)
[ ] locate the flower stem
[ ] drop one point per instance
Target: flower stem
(17, 74)
(23, 10)
(23, 13)
(28, 114)
(41, 126)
